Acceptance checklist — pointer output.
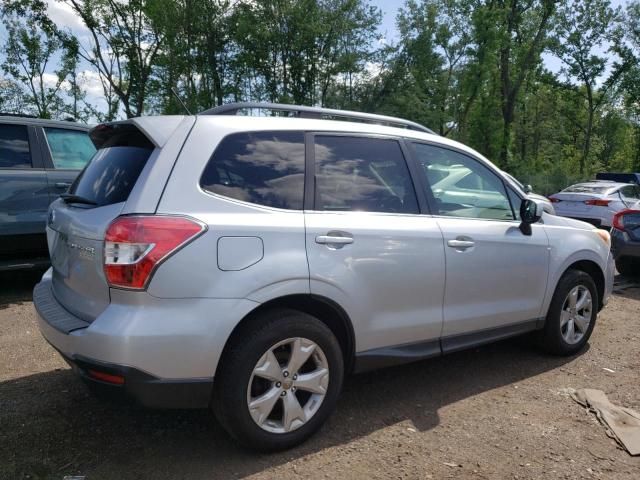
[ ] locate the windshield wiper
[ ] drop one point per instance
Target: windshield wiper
(71, 198)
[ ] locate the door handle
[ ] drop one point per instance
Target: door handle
(334, 239)
(461, 243)
(62, 185)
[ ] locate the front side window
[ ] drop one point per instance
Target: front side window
(266, 168)
(469, 190)
(70, 149)
(362, 174)
(14, 147)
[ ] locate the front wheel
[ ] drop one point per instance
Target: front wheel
(572, 314)
(279, 380)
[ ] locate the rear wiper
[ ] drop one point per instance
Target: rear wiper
(71, 198)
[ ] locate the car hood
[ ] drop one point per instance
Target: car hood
(566, 222)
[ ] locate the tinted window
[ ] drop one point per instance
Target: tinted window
(109, 177)
(470, 189)
(363, 174)
(70, 149)
(630, 192)
(266, 168)
(14, 147)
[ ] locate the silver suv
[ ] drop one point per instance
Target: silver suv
(248, 263)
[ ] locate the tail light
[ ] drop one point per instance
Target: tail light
(618, 218)
(134, 246)
(597, 202)
(554, 200)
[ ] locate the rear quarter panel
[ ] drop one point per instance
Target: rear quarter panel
(198, 271)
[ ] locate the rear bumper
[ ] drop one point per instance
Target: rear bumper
(142, 387)
(623, 246)
(166, 350)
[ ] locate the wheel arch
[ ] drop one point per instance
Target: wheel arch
(594, 271)
(324, 309)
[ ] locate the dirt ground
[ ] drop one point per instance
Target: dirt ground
(497, 412)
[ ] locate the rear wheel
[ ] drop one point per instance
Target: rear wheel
(279, 380)
(627, 266)
(572, 314)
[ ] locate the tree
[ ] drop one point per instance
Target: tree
(583, 28)
(125, 41)
(522, 32)
(33, 43)
(297, 51)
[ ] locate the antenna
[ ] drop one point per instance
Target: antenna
(175, 94)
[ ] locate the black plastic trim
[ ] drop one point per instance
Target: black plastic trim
(397, 355)
(144, 388)
(412, 352)
(456, 343)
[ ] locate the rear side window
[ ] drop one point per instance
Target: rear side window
(109, 177)
(70, 149)
(266, 168)
(14, 147)
(362, 174)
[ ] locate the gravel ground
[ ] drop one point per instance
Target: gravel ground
(497, 412)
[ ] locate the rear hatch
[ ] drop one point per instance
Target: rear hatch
(76, 225)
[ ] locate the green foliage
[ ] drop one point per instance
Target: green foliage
(472, 70)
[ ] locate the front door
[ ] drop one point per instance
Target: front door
(368, 248)
(496, 275)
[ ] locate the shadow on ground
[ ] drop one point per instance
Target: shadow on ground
(17, 287)
(52, 426)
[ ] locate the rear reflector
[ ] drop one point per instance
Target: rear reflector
(134, 246)
(106, 377)
(598, 202)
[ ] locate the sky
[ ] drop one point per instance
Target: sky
(63, 16)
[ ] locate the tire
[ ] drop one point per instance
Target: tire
(554, 338)
(233, 392)
(628, 267)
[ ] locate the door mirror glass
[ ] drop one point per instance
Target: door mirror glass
(530, 212)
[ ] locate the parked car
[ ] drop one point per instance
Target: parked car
(38, 161)
(250, 263)
(619, 177)
(596, 202)
(546, 203)
(625, 237)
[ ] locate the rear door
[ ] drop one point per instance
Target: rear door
(65, 153)
(76, 229)
(368, 247)
(23, 196)
(496, 276)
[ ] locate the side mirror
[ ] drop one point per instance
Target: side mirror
(530, 212)
(528, 189)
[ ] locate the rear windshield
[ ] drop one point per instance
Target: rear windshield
(587, 189)
(109, 177)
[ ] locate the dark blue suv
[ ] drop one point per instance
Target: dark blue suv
(38, 161)
(625, 242)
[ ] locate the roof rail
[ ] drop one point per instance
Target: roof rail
(317, 113)
(23, 115)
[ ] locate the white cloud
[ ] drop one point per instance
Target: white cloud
(64, 17)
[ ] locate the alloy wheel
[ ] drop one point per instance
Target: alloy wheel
(288, 385)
